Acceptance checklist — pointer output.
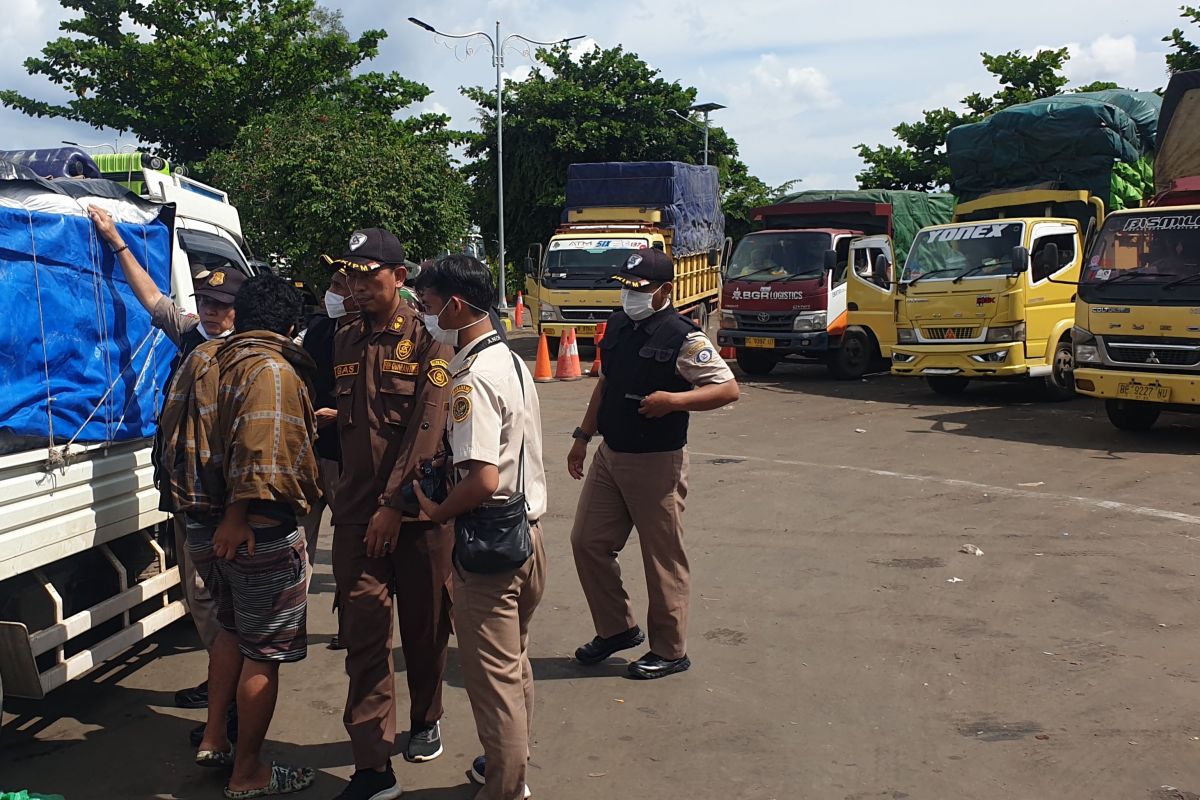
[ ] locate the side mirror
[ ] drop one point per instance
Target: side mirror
(714, 258)
(881, 270)
(830, 260)
(1020, 259)
(529, 267)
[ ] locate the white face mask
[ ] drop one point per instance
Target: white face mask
(208, 337)
(446, 335)
(638, 305)
(335, 305)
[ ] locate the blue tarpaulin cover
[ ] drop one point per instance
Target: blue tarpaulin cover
(97, 335)
(688, 195)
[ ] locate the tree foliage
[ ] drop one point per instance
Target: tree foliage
(603, 105)
(186, 75)
(919, 161)
(304, 177)
(1185, 55)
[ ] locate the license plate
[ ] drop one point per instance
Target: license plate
(1143, 391)
(758, 341)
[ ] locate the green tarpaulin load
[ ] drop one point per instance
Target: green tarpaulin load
(1101, 142)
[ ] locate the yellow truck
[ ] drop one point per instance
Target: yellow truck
(1137, 318)
(613, 211)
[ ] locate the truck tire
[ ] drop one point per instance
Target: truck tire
(853, 358)
(1060, 383)
(756, 362)
(947, 385)
(1131, 415)
(700, 316)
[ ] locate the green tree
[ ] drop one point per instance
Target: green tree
(206, 69)
(304, 177)
(605, 105)
(1186, 55)
(919, 161)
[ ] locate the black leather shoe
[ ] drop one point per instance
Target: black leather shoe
(599, 649)
(650, 666)
(196, 697)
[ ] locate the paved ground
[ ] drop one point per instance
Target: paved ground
(834, 657)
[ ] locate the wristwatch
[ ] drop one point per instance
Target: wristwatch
(581, 436)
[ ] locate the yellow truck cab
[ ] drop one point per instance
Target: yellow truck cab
(613, 211)
(1137, 319)
(979, 298)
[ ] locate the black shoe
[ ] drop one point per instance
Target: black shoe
(196, 697)
(479, 769)
(424, 744)
(599, 649)
(651, 666)
(335, 643)
(196, 736)
(367, 784)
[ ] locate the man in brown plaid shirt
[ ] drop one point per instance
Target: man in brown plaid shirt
(238, 432)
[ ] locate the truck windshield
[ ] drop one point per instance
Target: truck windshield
(946, 253)
(771, 256)
(587, 256)
(1149, 256)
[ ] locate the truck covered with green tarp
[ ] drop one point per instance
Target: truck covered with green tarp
(1101, 142)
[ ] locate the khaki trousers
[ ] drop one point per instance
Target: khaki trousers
(195, 595)
(418, 572)
(310, 524)
(622, 491)
(491, 620)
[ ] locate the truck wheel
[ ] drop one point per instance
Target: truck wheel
(1060, 383)
(756, 363)
(947, 385)
(1130, 415)
(853, 358)
(700, 317)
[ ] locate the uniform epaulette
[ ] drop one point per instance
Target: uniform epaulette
(465, 366)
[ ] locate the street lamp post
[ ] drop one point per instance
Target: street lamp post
(497, 44)
(705, 109)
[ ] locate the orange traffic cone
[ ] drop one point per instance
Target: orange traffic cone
(594, 372)
(519, 313)
(541, 367)
(728, 353)
(568, 358)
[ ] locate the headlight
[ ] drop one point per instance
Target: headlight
(1007, 333)
(547, 313)
(814, 321)
(1087, 354)
(906, 336)
(728, 320)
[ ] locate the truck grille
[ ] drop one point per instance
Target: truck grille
(765, 321)
(949, 334)
(586, 314)
(1174, 355)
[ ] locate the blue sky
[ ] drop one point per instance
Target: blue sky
(804, 81)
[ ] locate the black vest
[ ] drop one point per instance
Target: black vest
(639, 359)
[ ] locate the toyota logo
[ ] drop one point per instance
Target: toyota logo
(764, 317)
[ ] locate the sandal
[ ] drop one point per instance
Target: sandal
(284, 780)
(215, 759)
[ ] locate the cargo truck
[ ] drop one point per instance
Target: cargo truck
(614, 210)
(816, 284)
(991, 296)
(1137, 319)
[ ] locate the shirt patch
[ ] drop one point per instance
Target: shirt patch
(405, 349)
(439, 373)
(695, 348)
(400, 367)
(704, 356)
(462, 388)
(345, 370)
(460, 409)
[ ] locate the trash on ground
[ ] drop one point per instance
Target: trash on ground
(954, 580)
(1031, 485)
(970, 550)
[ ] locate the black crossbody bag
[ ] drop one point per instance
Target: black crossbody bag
(497, 537)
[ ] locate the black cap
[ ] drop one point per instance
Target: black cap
(371, 248)
(222, 284)
(645, 267)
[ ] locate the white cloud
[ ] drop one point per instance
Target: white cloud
(21, 17)
(805, 86)
(1107, 58)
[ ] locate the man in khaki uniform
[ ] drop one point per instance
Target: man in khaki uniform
(495, 438)
(392, 388)
(657, 367)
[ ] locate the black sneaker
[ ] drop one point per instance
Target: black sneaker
(196, 736)
(196, 697)
(367, 784)
(479, 769)
(599, 649)
(651, 666)
(424, 744)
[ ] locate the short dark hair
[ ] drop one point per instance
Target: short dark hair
(267, 303)
(462, 275)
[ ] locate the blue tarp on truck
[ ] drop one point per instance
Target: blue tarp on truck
(688, 195)
(74, 341)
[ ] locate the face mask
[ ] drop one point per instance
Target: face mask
(638, 305)
(446, 335)
(335, 305)
(208, 337)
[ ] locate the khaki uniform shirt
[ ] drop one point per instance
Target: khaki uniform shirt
(489, 418)
(392, 390)
(173, 321)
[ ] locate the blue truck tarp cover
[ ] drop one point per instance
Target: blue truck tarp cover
(688, 195)
(56, 277)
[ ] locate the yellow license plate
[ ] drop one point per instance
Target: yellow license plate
(1143, 391)
(758, 341)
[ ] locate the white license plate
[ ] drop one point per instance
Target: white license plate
(1144, 391)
